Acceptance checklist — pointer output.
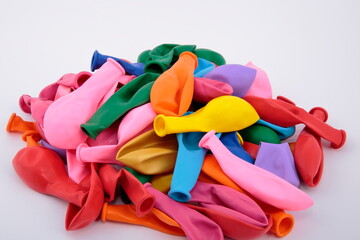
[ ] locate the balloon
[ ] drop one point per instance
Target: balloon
(133, 94)
(259, 133)
(194, 224)
(231, 142)
(204, 66)
(308, 152)
(206, 89)
(173, 90)
(110, 178)
(136, 122)
(44, 171)
(261, 86)
(283, 133)
(260, 183)
(210, 56)
(98, 60)
(155, 219)
(286, 114)
(149, 154)
(63, 118)
(222, 114)
(239, 77)
(278, 159)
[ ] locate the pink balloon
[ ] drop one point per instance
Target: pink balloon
(135, 122)
(261, 86)
(260, 183)
(63, 118)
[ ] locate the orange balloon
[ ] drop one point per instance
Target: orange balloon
(17, 124)
(173, 90)
(155, 219)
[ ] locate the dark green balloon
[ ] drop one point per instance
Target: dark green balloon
(259, 133)
(131, 95)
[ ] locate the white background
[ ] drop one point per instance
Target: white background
(310, 50)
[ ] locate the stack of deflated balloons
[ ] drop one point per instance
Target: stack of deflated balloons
(192, 146)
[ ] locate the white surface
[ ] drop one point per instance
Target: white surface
(310, 50)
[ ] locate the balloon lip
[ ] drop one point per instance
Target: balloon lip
(116, 64)
(94, 60)
(285, 225)
(326, 115)
(179, 196)
(88, 131)
(23, 105)
(160, 125)
(145, 205)
(192, 55)
(104, 212)
(205, 139)
(342, 142)
(78, 154)
(10, 121)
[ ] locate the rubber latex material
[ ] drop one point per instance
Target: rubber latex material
(63, 117)
(79, 217)
(224, 198)
(204, 66)
(286, 114)
(60, 152)
(159, 59)
(206, 89)
(162, 182)
(261, 86)
(44, 171)
(260, 183)
(211, 171)
(155, 219)
(38, 107)
(283, 133)
(149, 154)
(17, 124)
(136, 122)
(210, 56)
(308, 152)
(259, 133)
(98, 60)
(251, 148)
(218, 115)
(194, 224)
(141, 177)
(77, 170)
(278, 159)
(188, 164)
(139, 196)
(231, 142)
(173, 90)
(238, 76)
(133, 94)
(65, 85)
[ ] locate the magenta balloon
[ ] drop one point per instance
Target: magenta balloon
(206, 89)
(194, 224)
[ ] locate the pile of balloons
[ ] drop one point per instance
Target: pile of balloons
(193, 146)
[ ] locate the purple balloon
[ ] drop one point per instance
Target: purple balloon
(278, 159)
(239, 77)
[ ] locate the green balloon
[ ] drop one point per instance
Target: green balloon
(210, 55)
(259, 133)
(131, 95)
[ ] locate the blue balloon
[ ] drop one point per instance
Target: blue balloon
(231, 142)
(283, 132)
(204, 66)
(99, 59)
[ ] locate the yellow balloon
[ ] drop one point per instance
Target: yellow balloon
(222, 114)
(162, 182)
(149, 154)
